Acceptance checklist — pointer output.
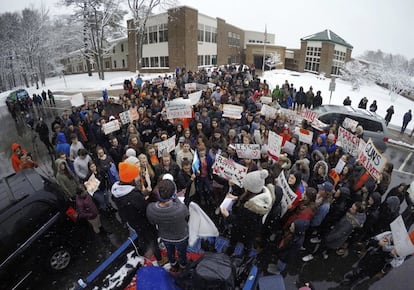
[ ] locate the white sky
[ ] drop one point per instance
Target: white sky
(366, 24)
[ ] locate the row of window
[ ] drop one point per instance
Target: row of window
(122, 48)
(108, 64)
(313, 51)
(206, 60)
(207, 33)
(155, 61)
(156, 33)
(233, 39)
(339, 55)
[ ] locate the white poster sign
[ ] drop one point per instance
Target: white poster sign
(340, 166)
(288, 195)
(77, 100)
(289, 148)
(195, 97)
(349, 142)
(290, 115)
(274, 144)
(401, 239)
(372, 160)
(266, 100)
(128, 116)
(229, 170)
(167, 145)
(309, 114)
(349, 124)
(179, 108)
(232, 111)
(111, 126)
(251, 151)
(268, 111)
(305, 136)
(191, 87)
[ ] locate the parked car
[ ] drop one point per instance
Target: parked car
(36, 232)
(373, 124)
(20, 94)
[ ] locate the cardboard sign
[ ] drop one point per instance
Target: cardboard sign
(274, 144)
(266, 100)
(111, 126)
(92, 184)
(167, 145)
(309, 114)
(232, 111)
(349, 124)
(305, 136)
(288, 195)
(191, 87)
(229, 170)
(77, 100)
(289, 148)
(349, 142)
(268, 111)
(179, 108)
(251, 151)
(400, 237)
(372, 160)
(195, 97)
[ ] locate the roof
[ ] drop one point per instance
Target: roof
(327, 35)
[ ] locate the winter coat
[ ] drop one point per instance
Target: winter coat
(389, 211)
(407, 118)
(388, 116)
(372, 213)
(86, 208)
(290, 245)
(15, 159)
(68, 184)
(62, 144)
(343, 229)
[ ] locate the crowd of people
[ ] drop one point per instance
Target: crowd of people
(125, 172)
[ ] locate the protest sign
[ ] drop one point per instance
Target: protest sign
(268, 111)
(125, 117)
(166, 145)
(251, 151)
(201, 87)
(290, 115)
(274, 144)
(289, 148)
(305, 136)
(340, 166)
(266, 100)
(179, 108)
(92, 184)
(211, 85)
(77, 100)
(288, 195)
(400, 237)
(195, 97)
(309, 114)
(229, 170)
(232, 111)
(349, 142)
(111, 126)
(189, 87)
(372, 159)
(133, 114)
(350, 124)
(227, 203)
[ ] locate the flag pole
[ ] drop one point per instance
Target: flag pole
(264, 50)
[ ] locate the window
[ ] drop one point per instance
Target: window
(207, 60)
(123, 63)
(208, 33)
(114, 63)
(107, 64)
(164, 61)
(200, 60)
(153, 34)
(214, 59)
(122, 47)
(145, 38)
(214, 35)
(200, 35)
(145, 62)
(163, 31)
(233, 39)
(154, 61)
(312, 59)
(338, 62)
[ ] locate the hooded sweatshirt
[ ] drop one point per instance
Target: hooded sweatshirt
(15, 159)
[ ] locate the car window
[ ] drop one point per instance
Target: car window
(329, 118)
(370, 125)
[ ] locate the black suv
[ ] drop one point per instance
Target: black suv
(36, 231)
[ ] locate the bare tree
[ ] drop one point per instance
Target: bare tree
(141, 11)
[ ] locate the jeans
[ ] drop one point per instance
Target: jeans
(180, 247)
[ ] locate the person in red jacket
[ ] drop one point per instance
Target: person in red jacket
(17, 153)
(87, 209)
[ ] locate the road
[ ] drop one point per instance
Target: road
(325, 274)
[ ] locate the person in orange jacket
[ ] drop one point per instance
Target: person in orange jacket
(17, 152)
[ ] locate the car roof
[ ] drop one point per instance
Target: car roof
(347, 110)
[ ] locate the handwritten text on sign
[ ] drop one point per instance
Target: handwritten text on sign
(350, 124)
(167, 146)
(251, 151)
(229, 170)
(372, 160)
(232, 111)
(179, 108)
(349, 142)
(309, 115)
(110, 127)
(268, 111)
(288, 195)
(274, 144)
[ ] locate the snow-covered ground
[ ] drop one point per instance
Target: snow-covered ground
(114, 80)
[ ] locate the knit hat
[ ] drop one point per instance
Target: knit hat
(131, 152)
(127, 172)
(254, 181)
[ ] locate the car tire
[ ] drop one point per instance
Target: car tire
(59, 259)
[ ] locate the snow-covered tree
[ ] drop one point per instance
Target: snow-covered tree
(141, 10)
(356, 73)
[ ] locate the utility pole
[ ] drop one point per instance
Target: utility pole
(264, 50)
